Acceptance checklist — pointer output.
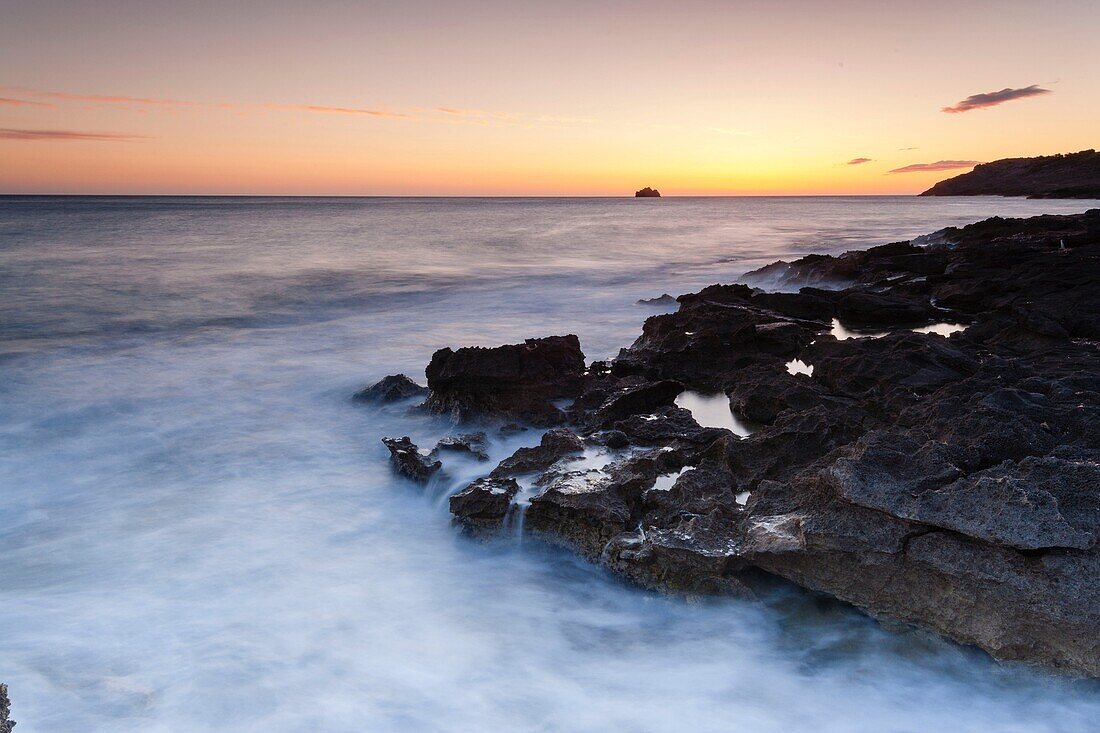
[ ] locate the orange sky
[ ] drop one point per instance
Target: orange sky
(514, 98)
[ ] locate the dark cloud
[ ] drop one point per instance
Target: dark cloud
(992, 99)
(939, 165)
(13, 134)
(859, 161)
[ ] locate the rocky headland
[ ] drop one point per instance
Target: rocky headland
(947, 481)
(1069, 176)
(647, 193)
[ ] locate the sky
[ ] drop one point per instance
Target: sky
(427, 97)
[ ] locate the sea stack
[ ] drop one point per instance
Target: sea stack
(647, 193)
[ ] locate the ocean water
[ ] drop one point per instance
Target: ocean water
(199, 531)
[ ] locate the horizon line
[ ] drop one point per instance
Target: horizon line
(447, 196)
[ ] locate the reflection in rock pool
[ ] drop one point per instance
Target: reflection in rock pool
(713, 411)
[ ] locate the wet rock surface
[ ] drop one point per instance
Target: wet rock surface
(949, 482)
(407, 460)
(472, 444)
(666, 426)
(393, 388)
(713, 335)
(518, 380)
(662, 300)
(634, 398)
(555, 445)
(485, 503)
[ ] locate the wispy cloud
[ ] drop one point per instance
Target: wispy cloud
(112, 99)
(481, 113)
(992, 99)
(24, 102)
(324, 109)
(939, 165)
(138, 102)
(451, 115)
(859, 161)
(477, 116)
(904, 149)
(511, 119)
(39, 135)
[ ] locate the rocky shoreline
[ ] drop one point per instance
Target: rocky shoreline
(948, 481)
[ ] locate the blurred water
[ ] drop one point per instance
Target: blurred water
(198, 531)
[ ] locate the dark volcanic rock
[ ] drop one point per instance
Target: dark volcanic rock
(888, 265)
(870, 309)
(966, 498)
(485, 503)
(580, 509)
(518, 380)
(1071, 176)
(686, 539)
(408, 461)
(762, 393)
(715, 333)
(390, 389)
(807, 305)
(647, 192)
(796, 439)
(952, 483)
(706, 488)
(1035, 504)
(6, 724)
(1042, 609)
(637, 399)
(694, 556)
(585, 509)
(615, 439)
(665, 426)
(664, 299)
(555, 445)
(471, 443)
(890, 372)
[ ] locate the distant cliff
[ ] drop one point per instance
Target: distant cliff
(1070, 176)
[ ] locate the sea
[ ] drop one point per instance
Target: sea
(200, 531)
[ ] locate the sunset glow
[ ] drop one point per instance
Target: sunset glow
(429, 98)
